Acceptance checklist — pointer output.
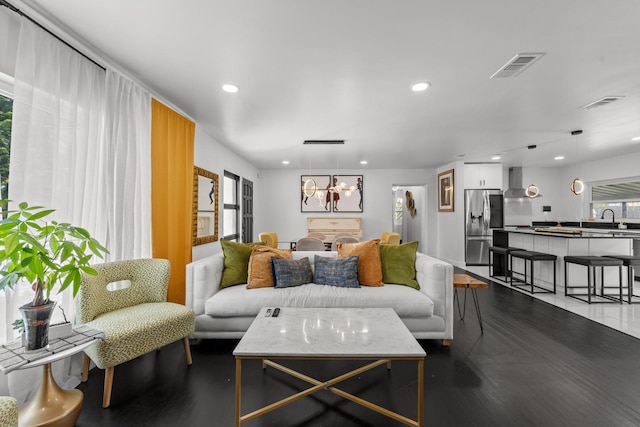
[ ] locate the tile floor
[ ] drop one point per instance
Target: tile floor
(622, 317)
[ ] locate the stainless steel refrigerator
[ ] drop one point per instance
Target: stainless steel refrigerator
(483, 211)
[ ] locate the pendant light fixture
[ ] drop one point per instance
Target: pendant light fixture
(532, 190)
(577, 186)
(338, 185)
(310, 186)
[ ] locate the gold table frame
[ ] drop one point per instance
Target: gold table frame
(375, 335)
(53, 406)
(328, 385)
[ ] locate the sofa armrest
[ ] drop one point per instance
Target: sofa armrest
(203, 280)
(436, 281)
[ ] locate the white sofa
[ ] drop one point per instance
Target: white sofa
(228, 312)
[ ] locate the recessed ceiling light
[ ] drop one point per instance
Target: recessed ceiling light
(285, 162)
(421, 86)
(363, 162)
(230, 88)
(558, 158)
(495, 158)
(637, 138)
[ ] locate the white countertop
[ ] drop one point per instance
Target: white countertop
(577, 233)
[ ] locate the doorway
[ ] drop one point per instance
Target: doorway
(409, 207)
(247, 211)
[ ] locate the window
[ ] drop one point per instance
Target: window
(6, 109)
(621, 197)
(231, 206)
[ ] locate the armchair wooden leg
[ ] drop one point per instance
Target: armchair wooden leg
(108, 383)
(187, 350)
(446, 343)
(85, 368)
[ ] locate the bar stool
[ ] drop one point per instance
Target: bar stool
(630, 262)
(532, 257)
(503, 252)
(592, 262)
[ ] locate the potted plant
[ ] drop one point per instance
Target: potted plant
(49, 254)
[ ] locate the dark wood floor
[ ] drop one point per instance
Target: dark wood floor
(535, 365)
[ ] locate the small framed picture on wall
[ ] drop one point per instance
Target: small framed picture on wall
(314, 193)
(445, 191)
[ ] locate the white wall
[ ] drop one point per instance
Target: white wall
(554, 185)
(209, 154)
(410, 228)
(450, 227)
(277, 198)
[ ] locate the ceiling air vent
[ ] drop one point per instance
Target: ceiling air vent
(516, 65)
(602, 101)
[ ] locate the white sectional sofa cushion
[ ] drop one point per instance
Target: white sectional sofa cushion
(240, 301)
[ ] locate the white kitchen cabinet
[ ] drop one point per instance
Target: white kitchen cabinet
(483, 175)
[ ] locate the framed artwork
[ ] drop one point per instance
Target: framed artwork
(445, 191)
(350, 197)
(314, 193)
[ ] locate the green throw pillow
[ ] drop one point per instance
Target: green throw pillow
(399, 264)
(236, 262)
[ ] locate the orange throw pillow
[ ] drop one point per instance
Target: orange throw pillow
(260, 269)
(369, 265)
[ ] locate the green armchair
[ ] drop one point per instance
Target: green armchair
(8, 411)
(136, 319)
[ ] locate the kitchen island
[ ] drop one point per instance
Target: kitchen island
(561, 242)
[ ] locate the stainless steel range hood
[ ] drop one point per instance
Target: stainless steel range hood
(515, 190)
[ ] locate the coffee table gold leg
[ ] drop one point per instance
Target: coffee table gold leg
(420, 391)
(238, 389)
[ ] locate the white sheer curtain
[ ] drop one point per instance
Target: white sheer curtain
(80, 145)
(58, 117)
(126, 159)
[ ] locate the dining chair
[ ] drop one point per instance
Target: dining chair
(390, 238)
(317, 235)
(309, 244)
(343, 239)
(270, 238)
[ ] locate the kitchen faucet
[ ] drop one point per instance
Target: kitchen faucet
(613, 216)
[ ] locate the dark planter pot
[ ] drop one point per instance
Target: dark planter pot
(36, 324)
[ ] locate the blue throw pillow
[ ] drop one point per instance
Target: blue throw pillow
(291, 272)
(341, 272)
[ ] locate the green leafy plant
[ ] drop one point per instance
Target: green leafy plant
(51, 255)
(18, 325)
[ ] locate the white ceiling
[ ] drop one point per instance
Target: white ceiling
(336, 69)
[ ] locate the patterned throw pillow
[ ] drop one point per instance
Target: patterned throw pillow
(236, 262)
(369, 265)
(260, 266)
(291, 272)
(399, 264)
(342, 272)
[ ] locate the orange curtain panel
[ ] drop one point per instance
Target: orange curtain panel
(172, 139)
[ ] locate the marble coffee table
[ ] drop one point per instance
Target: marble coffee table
(375, 334)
